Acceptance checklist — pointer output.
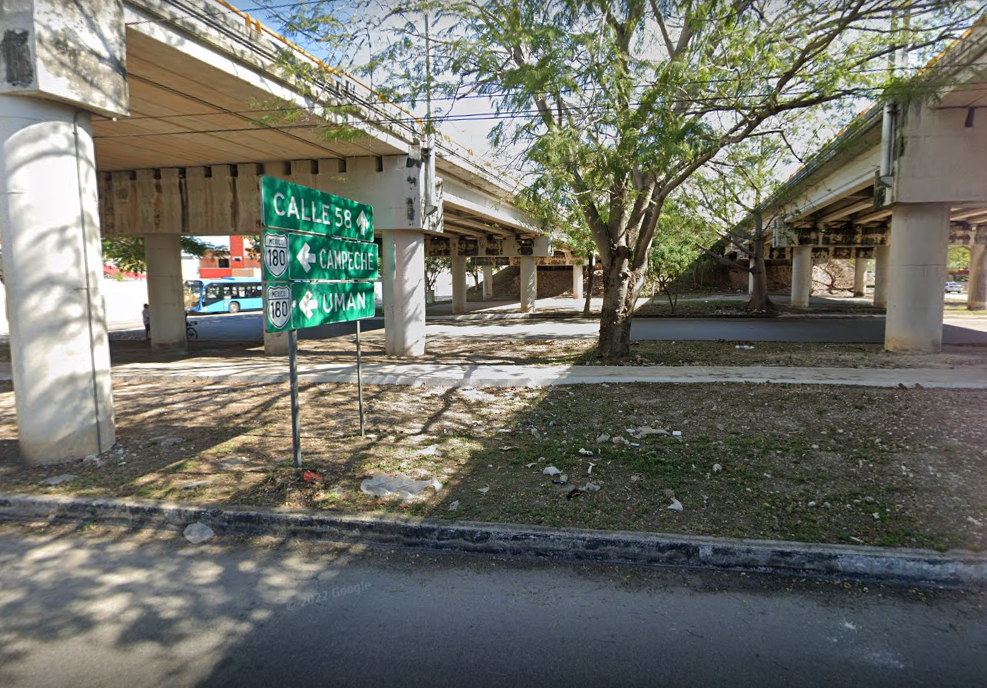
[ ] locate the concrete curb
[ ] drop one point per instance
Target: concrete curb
(902, 566)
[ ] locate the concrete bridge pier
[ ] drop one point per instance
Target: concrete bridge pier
(403, 277)
(52, 264)
(977, 287)
(577, 282)
(801, 276)
(919, 244)
(487, 282)
(163, 254)
(859, 277)
(459, 284)
(529, 283)
(881, 258)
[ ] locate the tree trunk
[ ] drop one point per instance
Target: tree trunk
(759, 300)
(589, 287)
(621, 288)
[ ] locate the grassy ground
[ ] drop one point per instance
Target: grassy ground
(888, 467)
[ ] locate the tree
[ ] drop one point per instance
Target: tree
(675, 251)
(731, 192)
(433, 268)
(616, 104)
(127, 253)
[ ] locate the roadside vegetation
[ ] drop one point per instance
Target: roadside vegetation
(889, 467)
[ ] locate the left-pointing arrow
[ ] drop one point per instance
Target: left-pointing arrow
(305, 257)
(308, 304)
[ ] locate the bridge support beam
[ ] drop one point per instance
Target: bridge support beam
(881, 259)
(458, 285)
(919, 243)
(977, 294)
(487, 282)
(163, 254)
(577, 282)
(859, 277)
(49, 224)
(801, 276)
(403, 275)
(529, 284)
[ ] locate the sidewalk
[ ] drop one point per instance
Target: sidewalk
(436, 375)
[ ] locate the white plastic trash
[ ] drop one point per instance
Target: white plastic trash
(400, 485)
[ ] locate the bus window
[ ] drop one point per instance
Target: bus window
(213, 294)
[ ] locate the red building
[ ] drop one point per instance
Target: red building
(238, 263)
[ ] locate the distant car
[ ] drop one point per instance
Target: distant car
(954, 288)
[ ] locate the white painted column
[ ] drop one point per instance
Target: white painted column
(881, 261)
(859, 276)
(458, 285)
(920, 242)
(801, 276)
(403, 276)
(976, 299)
(529, 284)
(163, 253)
(52, 265)
(487, 282)
(750, 282)
(577, 282)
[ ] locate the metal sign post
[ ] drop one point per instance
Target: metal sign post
(359, 378)
(296, 429)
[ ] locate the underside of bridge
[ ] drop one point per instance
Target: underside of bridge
(900, 185)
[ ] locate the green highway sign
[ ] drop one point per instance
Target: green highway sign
(307, 257)
(298, 208)
(296, 305)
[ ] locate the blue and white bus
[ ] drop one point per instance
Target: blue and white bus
(223, 295)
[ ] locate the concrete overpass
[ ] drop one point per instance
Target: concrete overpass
(155, 118)
(900, 185)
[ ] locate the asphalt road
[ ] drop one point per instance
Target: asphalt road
(248, 327)
(113, 610)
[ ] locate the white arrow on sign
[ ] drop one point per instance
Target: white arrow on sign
(362, 223)
(308, 304)
(306, 257)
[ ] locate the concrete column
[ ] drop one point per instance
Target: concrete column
(801, 276)
(976, 299)
(750, 282)
(529, 284)
(859, 276)
(163, 253)
(458, 284)
(403, 276)
(52, 266)
(275, 343)
(577, 282)
(881, 257)
(487, 282)
(920, 239)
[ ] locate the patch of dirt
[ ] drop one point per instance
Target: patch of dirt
(892, 467)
